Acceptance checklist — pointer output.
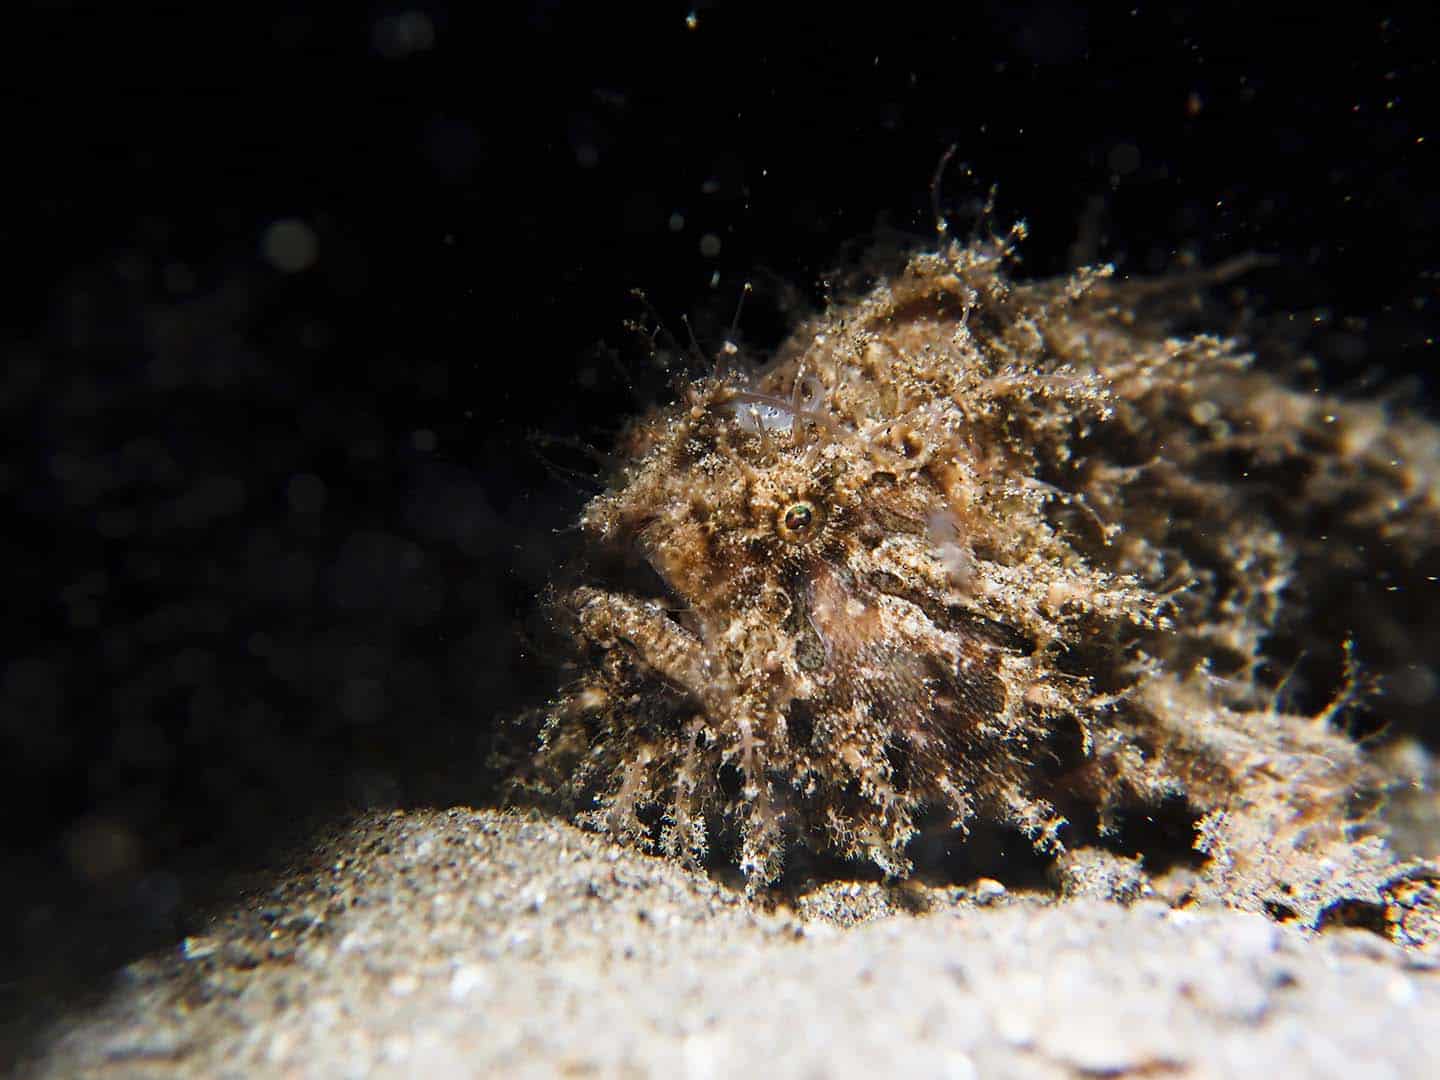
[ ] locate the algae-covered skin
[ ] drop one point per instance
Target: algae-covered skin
(1014, 553)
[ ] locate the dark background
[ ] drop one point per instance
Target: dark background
(288, 293)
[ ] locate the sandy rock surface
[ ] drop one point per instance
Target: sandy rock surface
(474, 943)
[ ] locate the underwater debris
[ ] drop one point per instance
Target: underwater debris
(1012, 553)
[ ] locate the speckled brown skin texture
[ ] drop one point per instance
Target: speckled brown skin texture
(1010, 553)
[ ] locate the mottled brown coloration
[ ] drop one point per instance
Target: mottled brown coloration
(1008, 551)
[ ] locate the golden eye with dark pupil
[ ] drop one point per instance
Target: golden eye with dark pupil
(797, 521)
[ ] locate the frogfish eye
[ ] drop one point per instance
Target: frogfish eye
(797, 521)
